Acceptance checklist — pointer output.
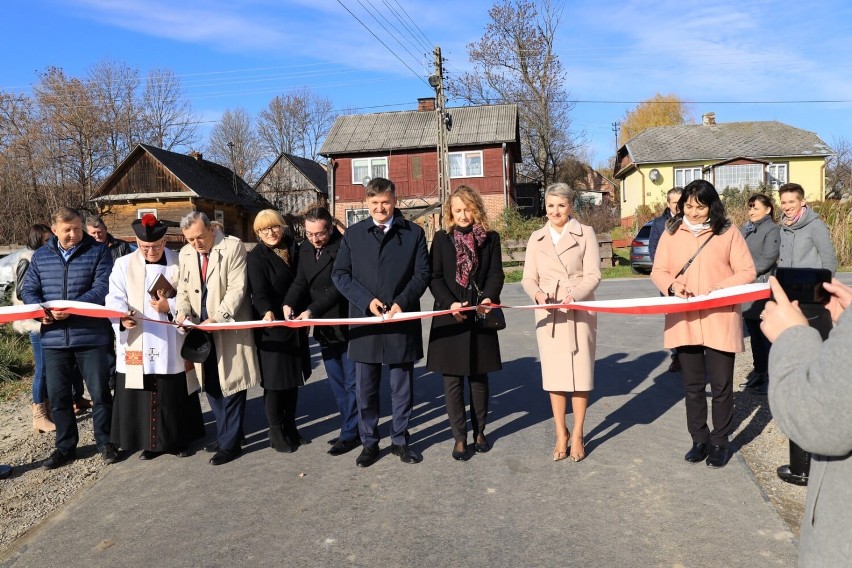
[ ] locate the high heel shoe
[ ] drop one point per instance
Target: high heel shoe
(560, 452)
(578, 456)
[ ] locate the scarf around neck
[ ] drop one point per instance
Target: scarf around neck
(696, 229)
(466, 241)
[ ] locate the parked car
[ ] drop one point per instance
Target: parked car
(7, 268)
(640, 256)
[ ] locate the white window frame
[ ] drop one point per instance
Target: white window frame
(774, 177)
(465, 156)
(743, 175)
(371, 164)
(680, 175)
(355, 215)
(141, 212)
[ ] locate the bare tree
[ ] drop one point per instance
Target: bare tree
(295, 123)
(515, 62)
(838, 171)
(234, 143)
(75, 131)
(113, 90)
(167, 118)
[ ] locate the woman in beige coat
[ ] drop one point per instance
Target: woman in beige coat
(562, 264)
(706, 340)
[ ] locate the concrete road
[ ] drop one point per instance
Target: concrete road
(634, 501)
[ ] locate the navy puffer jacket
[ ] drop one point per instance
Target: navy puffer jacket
(83, 278)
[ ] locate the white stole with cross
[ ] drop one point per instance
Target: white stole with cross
(148, 348)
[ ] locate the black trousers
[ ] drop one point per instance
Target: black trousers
(454, 394)
(698, 363)
(280, 407)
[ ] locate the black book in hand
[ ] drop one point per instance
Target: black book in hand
(162, 283)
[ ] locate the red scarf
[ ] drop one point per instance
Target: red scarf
(466, 242)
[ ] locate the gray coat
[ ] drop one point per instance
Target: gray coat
(811, 401)
(763, 240)
(807, 244)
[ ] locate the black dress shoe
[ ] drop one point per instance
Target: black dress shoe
(110, 454)
(369, 456)
(343, 446)
(697, 453)
(481, 444)
(182, 453)
(406, 454)
(58, 458)
(149, 455)
(719, 456)
(212, 447)
(333, 440)
(460, 453)
(224, 456)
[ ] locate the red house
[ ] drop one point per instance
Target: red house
(484, 146)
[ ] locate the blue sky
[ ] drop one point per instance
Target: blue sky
(241, 53)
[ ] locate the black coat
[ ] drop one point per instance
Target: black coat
(394, 268)
(314, 290)
(281, 351)
(460, 348)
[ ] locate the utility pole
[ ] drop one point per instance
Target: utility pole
(233, 167)
(437, 81)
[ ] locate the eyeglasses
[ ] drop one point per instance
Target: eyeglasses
(319, 235)
(151, 248)
(268, 230)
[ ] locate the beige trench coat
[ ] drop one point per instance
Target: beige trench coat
(724, 262)
(566, 350)
(227, 301)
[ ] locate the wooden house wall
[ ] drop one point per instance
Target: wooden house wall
(119, 216)
(147, 175)
(289, 189)
(415, 173)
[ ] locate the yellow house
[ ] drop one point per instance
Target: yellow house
(734, 154)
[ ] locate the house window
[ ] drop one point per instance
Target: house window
(219, 215)
(140, 212)
(738, 176)
(776, 175)
(685, 175)
(465, 164)
(368, 168)
(355, 215)
(416, 167)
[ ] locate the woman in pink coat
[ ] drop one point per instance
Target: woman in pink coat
(706, 340)
(562, 264)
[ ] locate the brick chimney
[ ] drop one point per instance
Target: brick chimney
(197, 155)
(708, 119)
(426, 104)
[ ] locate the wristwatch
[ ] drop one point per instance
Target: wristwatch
(671, 290)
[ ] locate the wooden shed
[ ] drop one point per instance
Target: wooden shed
(170, 185)
(294, 184)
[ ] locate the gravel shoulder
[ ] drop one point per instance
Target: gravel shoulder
(32, 494)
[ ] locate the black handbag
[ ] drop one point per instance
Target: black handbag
(493, 320)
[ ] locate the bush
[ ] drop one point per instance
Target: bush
(602, 218)
(513, 226)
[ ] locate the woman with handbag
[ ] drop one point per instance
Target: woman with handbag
(701, 251)
(563, 264)
(281, 351)
(763, 238)
(467, 270)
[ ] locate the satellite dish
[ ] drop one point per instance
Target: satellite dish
(366, 181)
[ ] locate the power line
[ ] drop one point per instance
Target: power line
(405, 25)
(381, 42)
(429, 42)
(389, 32)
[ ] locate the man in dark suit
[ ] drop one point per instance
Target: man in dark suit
(382, 268)
(313, 288)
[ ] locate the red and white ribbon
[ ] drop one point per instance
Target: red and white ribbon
(630, 306)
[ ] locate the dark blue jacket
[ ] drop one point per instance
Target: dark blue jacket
(658, 227)
(84, 278)
(394, 268)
